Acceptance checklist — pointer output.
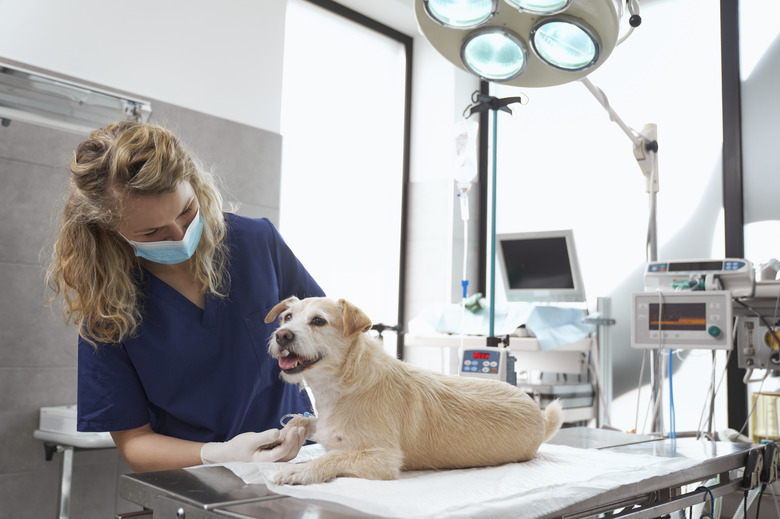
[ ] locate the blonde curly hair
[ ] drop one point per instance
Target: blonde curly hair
(93, 267)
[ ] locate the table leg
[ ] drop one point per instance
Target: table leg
(67, 473)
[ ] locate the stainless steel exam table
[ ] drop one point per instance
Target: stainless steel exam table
(215, 492)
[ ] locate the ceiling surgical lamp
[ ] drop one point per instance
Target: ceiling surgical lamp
(527, 43)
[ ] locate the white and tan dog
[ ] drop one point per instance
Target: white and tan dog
(377, 415)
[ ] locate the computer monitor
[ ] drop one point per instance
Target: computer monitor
(540, 267)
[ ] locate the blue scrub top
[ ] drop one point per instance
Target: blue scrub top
(201, 375)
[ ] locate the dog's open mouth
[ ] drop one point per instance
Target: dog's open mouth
(291, 363)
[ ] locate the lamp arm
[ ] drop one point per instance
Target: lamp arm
(601, 97)
(646, 154)
(645, 142)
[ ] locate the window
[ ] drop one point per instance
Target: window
(343, 161)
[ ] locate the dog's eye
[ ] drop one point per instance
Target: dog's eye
(287, 317)
(318, 321)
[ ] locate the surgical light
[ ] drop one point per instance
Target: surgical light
(565, 44)
(494, 55)
(526, 43)
(460, 13)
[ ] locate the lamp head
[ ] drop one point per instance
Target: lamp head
(527, 43)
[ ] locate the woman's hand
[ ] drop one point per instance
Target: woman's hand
(144, 450)
(267, 446)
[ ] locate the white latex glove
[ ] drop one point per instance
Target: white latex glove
(267, 446)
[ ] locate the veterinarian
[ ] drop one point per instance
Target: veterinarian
(169, 294)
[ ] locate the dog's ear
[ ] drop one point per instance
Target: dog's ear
(355, 321)
(279, 308)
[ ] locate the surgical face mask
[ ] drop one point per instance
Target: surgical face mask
(171, 252)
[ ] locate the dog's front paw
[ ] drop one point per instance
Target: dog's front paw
(295, 475)
(307, 422)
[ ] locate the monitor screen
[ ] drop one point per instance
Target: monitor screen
(540, 267)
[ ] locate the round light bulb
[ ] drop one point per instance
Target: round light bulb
(540, 6)
(565, 44)
(494, 54)
(461, 14)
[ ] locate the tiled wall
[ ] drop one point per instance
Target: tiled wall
(37, 350)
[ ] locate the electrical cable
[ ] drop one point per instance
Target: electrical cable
(464, 280)
(758, 504)
(717, 388)
(656, 407)
(656, 399)
(654, 404)
(711, 417)
(750, 497)
(596, 376)
(712, 502)
(777, 306)
(639, 390)
(672, 424)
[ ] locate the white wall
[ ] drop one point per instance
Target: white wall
(760, 63)
(222, 58)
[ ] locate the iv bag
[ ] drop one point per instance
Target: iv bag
(466, 132)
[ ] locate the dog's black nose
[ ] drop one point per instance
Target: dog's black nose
(284, 337)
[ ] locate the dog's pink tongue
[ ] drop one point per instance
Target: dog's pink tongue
(288, 362)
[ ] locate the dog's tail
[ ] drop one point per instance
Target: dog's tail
(553, 418)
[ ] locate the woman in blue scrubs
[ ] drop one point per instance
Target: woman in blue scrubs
(169, 294)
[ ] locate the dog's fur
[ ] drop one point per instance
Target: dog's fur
(378, 415)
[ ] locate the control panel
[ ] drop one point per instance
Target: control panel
(682, 320)
(758, 346)
(484, 363)
(732, 274)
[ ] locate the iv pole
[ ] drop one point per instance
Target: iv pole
(483, 104)
(646, 153)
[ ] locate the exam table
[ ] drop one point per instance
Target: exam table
(216, 492)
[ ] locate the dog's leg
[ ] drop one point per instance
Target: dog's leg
(375, 463)
(308, 422)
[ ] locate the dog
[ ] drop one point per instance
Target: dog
(377, 415)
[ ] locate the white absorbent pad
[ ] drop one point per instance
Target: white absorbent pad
(558, 477)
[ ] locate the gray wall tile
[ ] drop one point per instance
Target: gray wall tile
(32, 334)
(37, 145)
(23, 391)
(30, 494)
(28, 199)
(240, 156)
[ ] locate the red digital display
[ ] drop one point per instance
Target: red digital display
(481, 355)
